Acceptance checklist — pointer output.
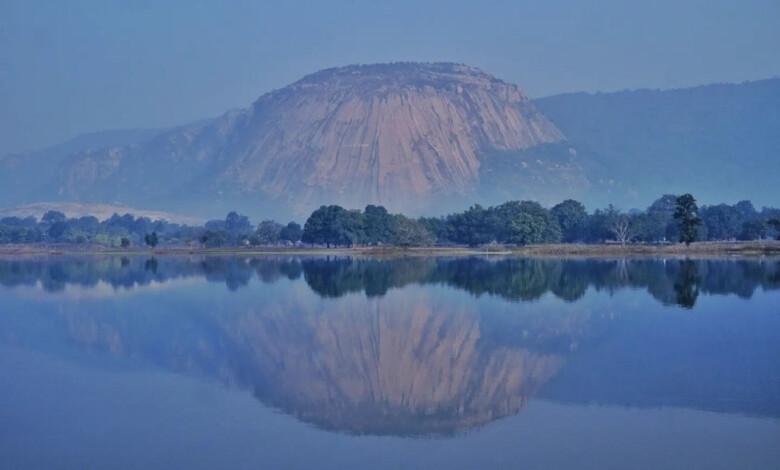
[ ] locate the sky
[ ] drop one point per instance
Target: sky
(69, 67)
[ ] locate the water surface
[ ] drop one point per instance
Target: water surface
(232, 362)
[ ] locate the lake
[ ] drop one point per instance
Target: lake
(338, 362)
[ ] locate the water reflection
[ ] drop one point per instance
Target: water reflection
(405, 357)
(672, 281)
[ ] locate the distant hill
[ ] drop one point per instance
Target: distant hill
(29, 177)
(719, 142)
(101, 211)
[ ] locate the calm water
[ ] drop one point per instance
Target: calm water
(412, 363)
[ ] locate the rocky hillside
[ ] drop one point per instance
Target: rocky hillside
(409, 136)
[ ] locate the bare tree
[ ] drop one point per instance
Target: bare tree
(621, 228)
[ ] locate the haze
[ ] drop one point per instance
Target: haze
(79, 66)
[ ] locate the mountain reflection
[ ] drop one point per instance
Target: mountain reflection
(421, 361)
(406, 367)
(408, 364)
(674, 281)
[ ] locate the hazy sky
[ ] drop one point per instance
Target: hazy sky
(68, 67)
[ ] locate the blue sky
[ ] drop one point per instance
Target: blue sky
(68, 67)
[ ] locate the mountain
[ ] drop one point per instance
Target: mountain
(28, 177)
(719, 142)
(423, 138)
(414, 137)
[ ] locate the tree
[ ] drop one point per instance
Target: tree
(527, 222)
(291, 232)
(599, 228)
(87, 224)
(621, 228)
(408, 232)
(378, 225)
(437, 227)
(775, 223)
(334, 225)
(472, 227)
(57, 230)
(125, 242)
(237, 224)
(686, 215)
(754, 229)
(723, 222)
(151, 239)
(659, 223)
(214, 238)
(268, 232)
(572, 217)
(746, 210)
(51, 217)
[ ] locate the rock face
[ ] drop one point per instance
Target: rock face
(408, 136)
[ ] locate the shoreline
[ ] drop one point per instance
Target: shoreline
(699, 249)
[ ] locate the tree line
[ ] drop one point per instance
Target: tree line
(128, 231)
(669, 219)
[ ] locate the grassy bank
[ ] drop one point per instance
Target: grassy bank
(748, 248)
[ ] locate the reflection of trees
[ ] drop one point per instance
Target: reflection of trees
(334, 277)
(133, 271)
(514, 279)
(518, 279)
(528, 279)
(686, 286)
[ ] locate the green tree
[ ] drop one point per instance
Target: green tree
(238, 228)
(291, 232)
(475, 226)
(124, 242)
(237, 224)
(775, 223)
(334, 225)
(151, 239)
(527, 222)
(600, 224)
(57, 230)
(686, 215)
(268, 233)
(722, 221)
(50, 217)
(214, 238)
(437, 227)
(378, 224)
(746, 210)
(754, 229)
(408, 232)
(572, 217)
(660, 224)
